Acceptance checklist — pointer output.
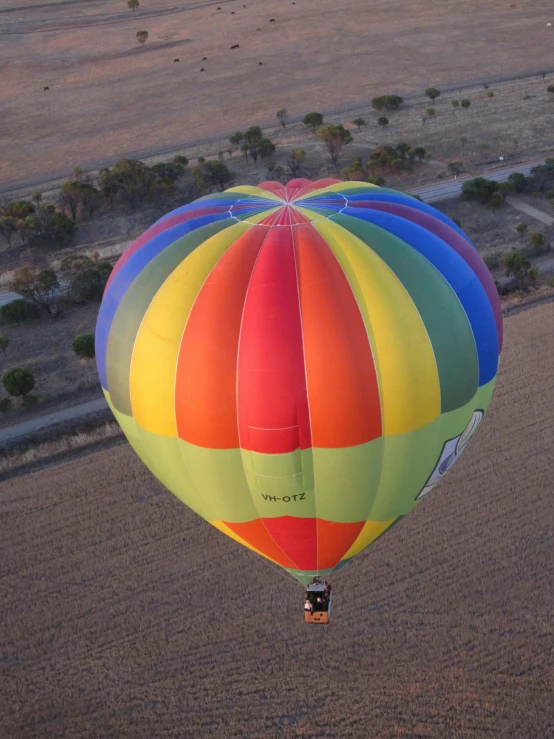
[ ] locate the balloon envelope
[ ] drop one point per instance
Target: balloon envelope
(300, 365)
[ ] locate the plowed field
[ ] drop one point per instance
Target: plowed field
(123, 615)
(108, 96)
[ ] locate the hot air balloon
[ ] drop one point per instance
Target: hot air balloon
(300, 364)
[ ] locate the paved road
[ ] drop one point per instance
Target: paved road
(66, 414)
(451, 188)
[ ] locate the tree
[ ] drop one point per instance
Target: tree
(521, 228)
(354, 171)
(4, 343)
(518, 180)
(18, 210)
(387, 102)
(430, 111)
(432, 93)
(39, 287)
(84, 279)
(180, 159)
(70, 197)
(517, 265)
(359, 122)
(295, 161)
(169, 170)
(383, 121)
(455, 103)
(265, 148)
(335, 139)
(253, 135)
(236, 138)
(18, 381)
(7, 228)
(61, 228)
(466, 103)
(212, 174)
(83, 345)
(479, 189)
(455, 167)
(16, 311)
(141, 37)
(133, 4)
(283, 116)
(538, 240)
(313, 120)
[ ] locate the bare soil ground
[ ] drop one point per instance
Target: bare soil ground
(493, 231)
(109, 97)
(125, 615)
(46, 348)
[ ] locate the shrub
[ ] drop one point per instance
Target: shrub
(550, 88)
(490, 94)
(387, 102)
(83, 345)
(455, 103)
(359, 122)
(18, 381)
(432, 93)
(5, 405)
(430, 111)
(518, 180)
(466, 103)
(521, 228)
(313, 120)
(16, 311)
(480, 189)
(29, 402)
(4, 343)
(538, 240)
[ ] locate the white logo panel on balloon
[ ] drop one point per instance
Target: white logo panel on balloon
(452, 451)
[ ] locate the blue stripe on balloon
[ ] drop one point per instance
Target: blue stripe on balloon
(459, 276)
(127, 274)
(410, 202)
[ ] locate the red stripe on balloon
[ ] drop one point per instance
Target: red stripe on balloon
(343, 392)
(297, 538)
(273, 413)
(257, 535)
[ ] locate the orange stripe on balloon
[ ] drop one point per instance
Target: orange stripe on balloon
(205, 385)
(257, 535)
(343, 393)
(272, 402)
(334, 540)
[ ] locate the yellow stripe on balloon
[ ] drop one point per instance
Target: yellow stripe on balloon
(156, 349)
(407, 371)
(253, 190)
(339, 187)
(229, 532)
(370, 532)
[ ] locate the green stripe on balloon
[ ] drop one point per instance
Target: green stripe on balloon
(442, 314)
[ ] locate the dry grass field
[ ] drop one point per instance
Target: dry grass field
(46, 348)
(123, 615)
(108, 97)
